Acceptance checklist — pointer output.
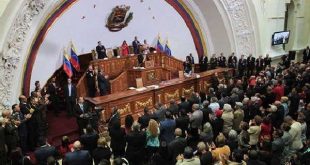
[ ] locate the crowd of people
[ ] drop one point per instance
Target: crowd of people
(258, 116)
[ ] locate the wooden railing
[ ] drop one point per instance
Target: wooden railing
(118, 84)
(114, 67)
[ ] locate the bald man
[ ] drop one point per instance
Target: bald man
(78, 156)
(176, 146)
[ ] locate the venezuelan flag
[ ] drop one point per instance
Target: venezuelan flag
(167, 49)
(159, 46)
(67, 65)
(74, 58)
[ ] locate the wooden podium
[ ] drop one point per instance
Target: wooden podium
(149, 76)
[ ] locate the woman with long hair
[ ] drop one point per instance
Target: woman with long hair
(152, 134)
(125, 48)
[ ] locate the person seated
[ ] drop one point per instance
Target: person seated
(125, 49)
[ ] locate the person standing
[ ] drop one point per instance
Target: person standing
(250, 65)
(204, 63)
(81, 108)
(91, 81)
(78, 156)
(232, 62)
(70, 97)
(267, 61)
(136, 45)
(52, 90)
(103, 83)
(213, 61)
(241, 66)
(191, 58)
(222, 60)
(259, 64)
(125, 49)
(101, 51)
(306, 55)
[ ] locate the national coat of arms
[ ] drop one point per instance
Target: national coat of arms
(119, 18)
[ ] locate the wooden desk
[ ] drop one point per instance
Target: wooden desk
(133, 102)
(116, 68)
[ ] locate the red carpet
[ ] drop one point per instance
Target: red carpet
(59, 126)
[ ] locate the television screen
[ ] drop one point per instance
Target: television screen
(280, 37)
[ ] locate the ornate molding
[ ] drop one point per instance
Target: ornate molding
(13, 46)
(238, 13)
(143, 104)
(174, 95)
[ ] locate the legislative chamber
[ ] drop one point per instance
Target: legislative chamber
(133, 88)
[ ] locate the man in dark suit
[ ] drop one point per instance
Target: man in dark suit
(167, 127)
(103, 83)
(213, 61)
(250, 65)
(222, 60)
(191, 58)
(70, 97)
(267, 61)
(91, 81)
(259, 64)
(136, 45)
(306, 55)
(21, 119)
(44, 151)
(24, 107)
(81, 108)
(204, 63)
(89, 139)
(52, 90)
(11, 131)
(241, 66)
(232, 62)
(2, 146)
(101, 51)
(145, 118)
(176, 147)
(185, 105)
(78, 156)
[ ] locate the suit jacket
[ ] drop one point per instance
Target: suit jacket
(89, 141)
(232, 61)
(267, 61)
(185, 105)
(73, 91)
(306, 56)
(24, 108)
(136, 142)
(2, 141)
(102, 82)
(101, 153)
(242, 63)
(43, 152)
(251, 62)
(135, 45)
(167, 128)
(79, 111)
(101, 54)
(176, 147)
(90, 77)
(80, 157)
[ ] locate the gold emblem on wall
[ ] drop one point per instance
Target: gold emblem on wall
(142, 104)
(175, 95)
(125, 109)
(118, 19)
(187, 91)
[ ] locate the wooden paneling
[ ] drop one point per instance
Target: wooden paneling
(115, 68)
(133, 102)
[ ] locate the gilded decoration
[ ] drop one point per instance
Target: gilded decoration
(151, 75)
(125, 110)
(174, 95)
(187, 91)
(142, 104)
